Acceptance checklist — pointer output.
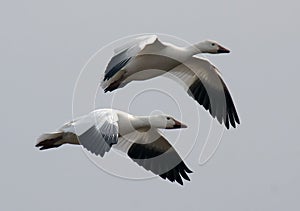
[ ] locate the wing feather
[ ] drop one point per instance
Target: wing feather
(129, 51)
(159, 157)
(97, 131)
(205, 84)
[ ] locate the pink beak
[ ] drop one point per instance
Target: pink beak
(223, 50)
(179, 125)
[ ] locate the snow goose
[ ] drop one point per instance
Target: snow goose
(138, 136)
(146, 57)
(134, 60)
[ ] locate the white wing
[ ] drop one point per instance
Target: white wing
(204, 83)
(134, 42)
(97, 131)
(130, 50)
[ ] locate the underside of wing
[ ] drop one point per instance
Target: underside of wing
(160, 158)
(204, 83)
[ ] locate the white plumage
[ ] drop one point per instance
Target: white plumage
(147, 57)
(138, 136)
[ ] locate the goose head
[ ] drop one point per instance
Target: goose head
(165, 122)
(210, 46)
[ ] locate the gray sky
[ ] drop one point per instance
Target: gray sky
(44, 45)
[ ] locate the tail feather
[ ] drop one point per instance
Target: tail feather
(50, 140)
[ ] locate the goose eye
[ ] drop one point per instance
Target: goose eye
(168, 118)
(213, 44)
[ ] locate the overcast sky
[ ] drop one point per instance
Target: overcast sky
(44, 46)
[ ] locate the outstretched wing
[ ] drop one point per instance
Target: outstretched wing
(125, 53)
(97, 131)
(153, 152)
(205, 84)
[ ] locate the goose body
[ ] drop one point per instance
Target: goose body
(147, 57)
(137, 136)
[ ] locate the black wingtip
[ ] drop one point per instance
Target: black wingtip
(176, 174)
(109, 89)
(179, 180)
(110, 73)
(113, 86)
(237, 119)
(198, 92)
(188, 170)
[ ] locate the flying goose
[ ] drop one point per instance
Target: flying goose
(138, 136)
(147, 57)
